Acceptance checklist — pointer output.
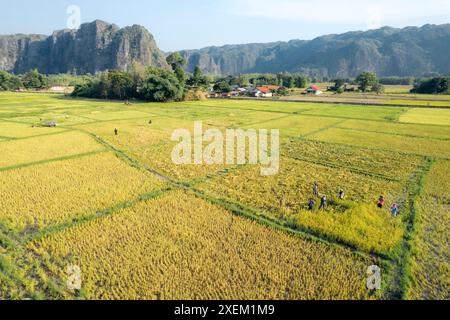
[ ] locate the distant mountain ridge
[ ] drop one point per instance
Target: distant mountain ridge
(410, 51)
(94, 47)
(98, 46)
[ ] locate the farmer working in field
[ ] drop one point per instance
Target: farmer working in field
(381, 202)
(316, 189)
(323, 203)
(311, 204)
(341, 195)
(395, 210)
(116, 132)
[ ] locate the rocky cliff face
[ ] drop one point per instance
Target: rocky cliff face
(386, 51)
(94, 47)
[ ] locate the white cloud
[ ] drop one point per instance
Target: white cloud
(372, 13)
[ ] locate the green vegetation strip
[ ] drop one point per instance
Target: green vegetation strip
(324, 128)
(340, 166)
(411, 230)
(40, 135)
(298, 113)
(4, 138)
(30, 164)
(367, 104)
(365, 147)
(400, 273)
(394, 134)
(36, 236)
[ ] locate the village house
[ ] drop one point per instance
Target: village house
(313, 90)
(266, 91)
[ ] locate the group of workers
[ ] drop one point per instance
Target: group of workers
(341, 195)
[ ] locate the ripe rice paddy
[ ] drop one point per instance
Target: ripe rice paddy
(141, 227)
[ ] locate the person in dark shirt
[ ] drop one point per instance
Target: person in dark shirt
(311, 204)
(381, 202)
(323, 203)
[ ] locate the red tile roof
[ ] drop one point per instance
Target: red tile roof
(268, 88)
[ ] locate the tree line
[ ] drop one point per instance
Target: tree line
(150, 84)
(174, 84)
(438, 85)
(31, 80)
(368, 82)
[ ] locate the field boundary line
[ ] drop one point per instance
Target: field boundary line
(40, 135)
(5, 138)
(411, 229)
(422, 156)
(70, 157)
(394, 134)
(15, 121)
(104, 121)
(399, 275)
(331, 126)
(367, 104)
(265, 121)
(333, 165)
(211, 176)
(96, 215)
(300, 113)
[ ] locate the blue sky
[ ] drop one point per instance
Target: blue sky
(188, 24)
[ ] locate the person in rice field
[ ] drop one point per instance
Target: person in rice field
(116, 132)
(341, 195)
(311, 204)
(395, 210)
(323, 203)
(316, 189)
(381, 202)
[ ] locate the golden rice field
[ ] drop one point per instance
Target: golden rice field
(56, 192)
(181, 247)
(141, 227)
(430, 267)
(285, 197)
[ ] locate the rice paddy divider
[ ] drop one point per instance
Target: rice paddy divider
(394, 134)
(46, 232)
(70, 157)
(333, 165)
(401, 274)
(39, 135)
